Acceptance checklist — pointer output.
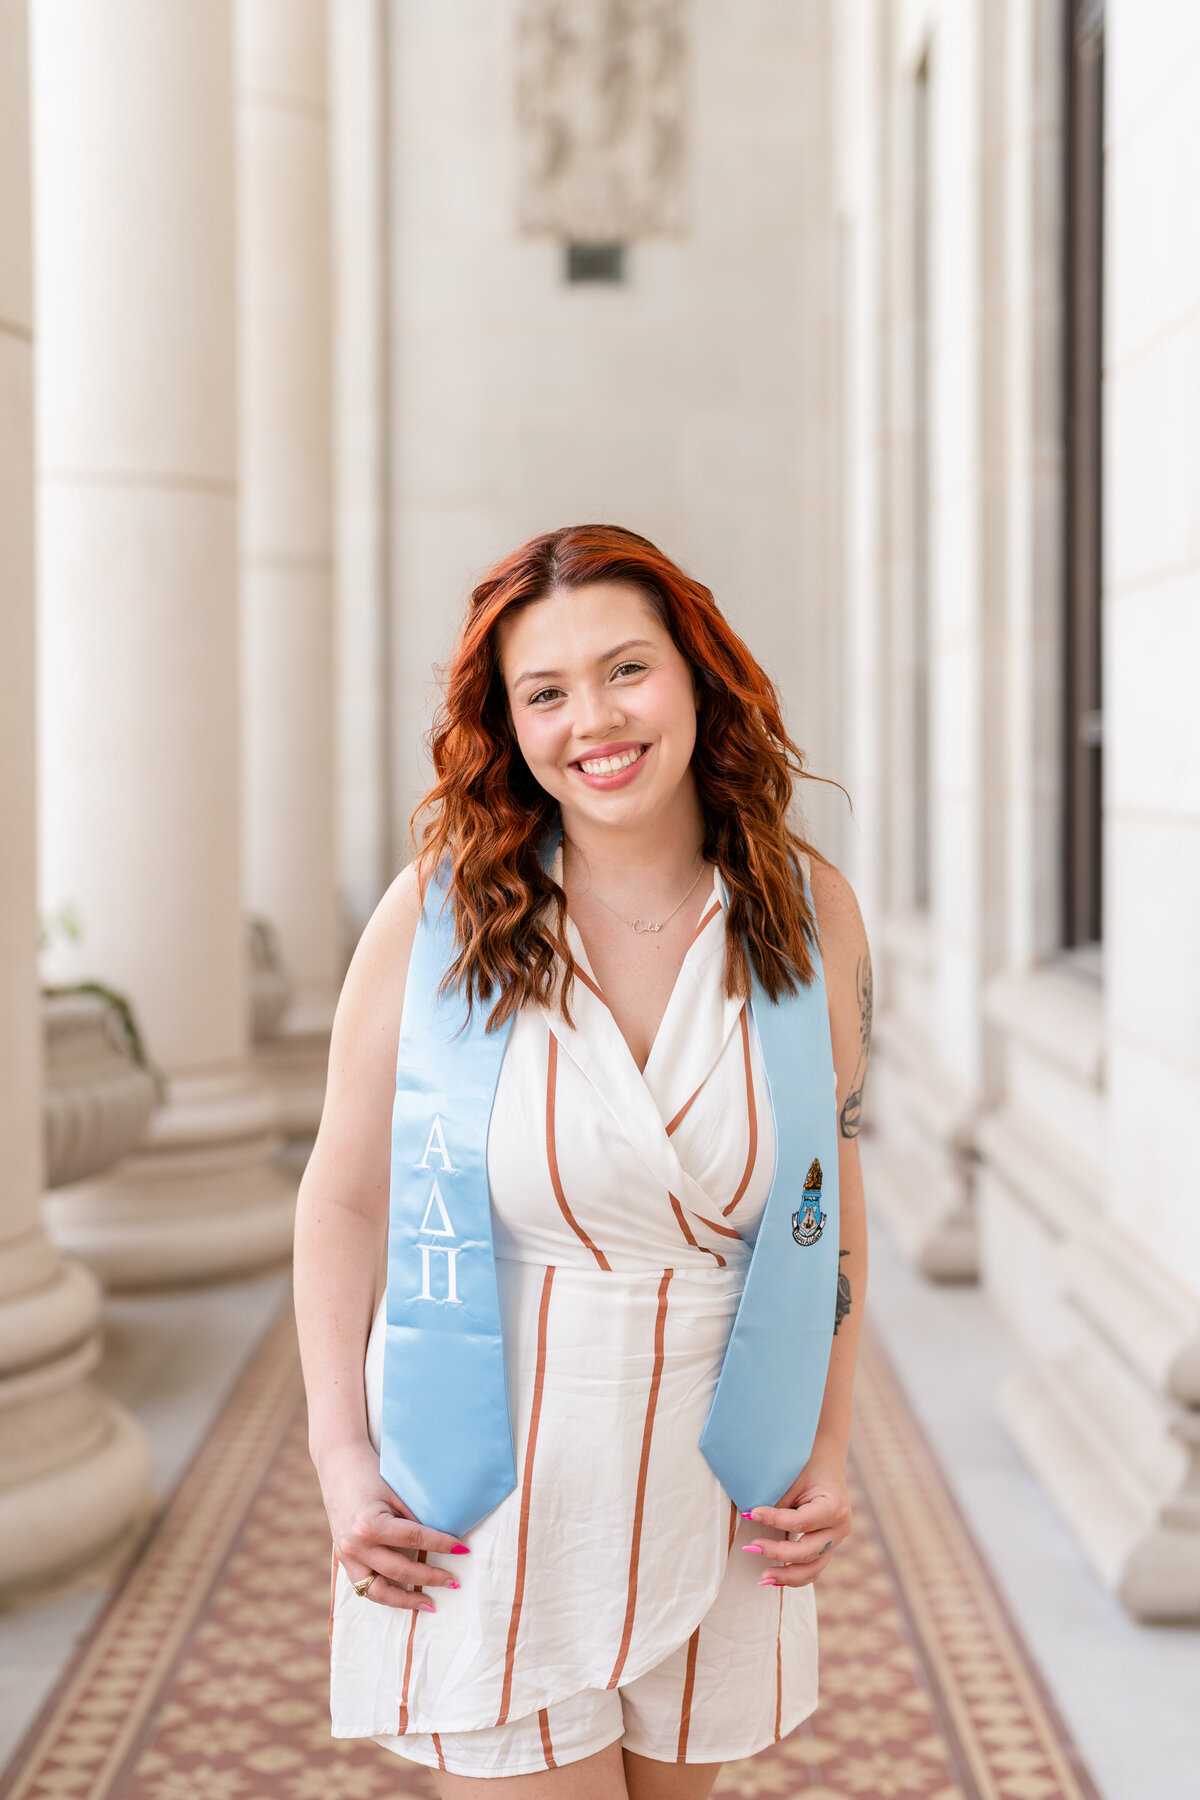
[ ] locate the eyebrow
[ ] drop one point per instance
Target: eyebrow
(608, 656)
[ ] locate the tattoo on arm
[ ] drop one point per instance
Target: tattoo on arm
(851, 1116)
(842, 1304)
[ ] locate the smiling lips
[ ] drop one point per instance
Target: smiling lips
(613, 769)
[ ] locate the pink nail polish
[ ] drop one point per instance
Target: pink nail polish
(461, 1550)
(767, 1581)
(752, 1549)
(748, 1515)
(425, 1607)
(451, 1584)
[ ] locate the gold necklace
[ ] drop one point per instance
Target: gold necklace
(643, 926)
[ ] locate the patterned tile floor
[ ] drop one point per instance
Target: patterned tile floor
(205, 1679)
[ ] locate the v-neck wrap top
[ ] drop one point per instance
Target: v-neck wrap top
(622, 1202)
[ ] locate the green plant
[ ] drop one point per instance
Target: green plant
(63, 922)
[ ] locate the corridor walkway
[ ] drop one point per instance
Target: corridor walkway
(205, 1677)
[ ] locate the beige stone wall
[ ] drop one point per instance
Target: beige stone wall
(1036, 1111)
(673, 403)
(1110, 1410)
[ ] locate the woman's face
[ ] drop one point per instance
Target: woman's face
(602, 702)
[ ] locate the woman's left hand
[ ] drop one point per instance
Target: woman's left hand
(818, 1507)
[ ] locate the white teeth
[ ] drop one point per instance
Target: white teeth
(609, 765)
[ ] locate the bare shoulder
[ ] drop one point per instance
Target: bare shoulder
(350, 1156)
(388, 935)
(839, 920)
(367, 1022)
(846, 961)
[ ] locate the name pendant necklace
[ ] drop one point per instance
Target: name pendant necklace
(643, 926)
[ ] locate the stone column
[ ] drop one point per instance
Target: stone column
(920, 635)
(137, 418)
(1094, 1164)
(360, 180)
(286, 449)
(60, 1438)
(820, 672)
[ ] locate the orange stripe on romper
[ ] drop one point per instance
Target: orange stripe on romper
(779, 1669)
(582, 975)
(712, 912)
(402, 1722)
(437, 1744)
(679, 1116)
(547, 1746)
(689, 1677)
(721, 1230)
(682, 1113)
(688, 1233)
(552, 1158)
(689, 1684)
(660, 1332)
(535, 1413)
(751, 1116)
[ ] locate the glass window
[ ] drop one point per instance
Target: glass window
(1082, 737)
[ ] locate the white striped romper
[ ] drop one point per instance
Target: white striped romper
(605, 1598)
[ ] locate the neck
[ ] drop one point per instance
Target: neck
(658, 857)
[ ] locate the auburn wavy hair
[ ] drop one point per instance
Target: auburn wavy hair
(487, 819)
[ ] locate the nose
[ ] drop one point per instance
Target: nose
(598, 709)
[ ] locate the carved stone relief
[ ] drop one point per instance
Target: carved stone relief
(602, 117)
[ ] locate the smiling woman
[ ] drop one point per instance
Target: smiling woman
(616, 687)
(593, 1045)
(587, 644)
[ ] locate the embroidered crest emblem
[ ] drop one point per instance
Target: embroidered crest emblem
(808, 1222)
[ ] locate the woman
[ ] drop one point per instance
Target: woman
(609, 826)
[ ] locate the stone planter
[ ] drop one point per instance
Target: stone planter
(97, 1100)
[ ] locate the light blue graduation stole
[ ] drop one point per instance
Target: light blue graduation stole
(446, 1445)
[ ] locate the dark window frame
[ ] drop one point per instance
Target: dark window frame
(1082, 815)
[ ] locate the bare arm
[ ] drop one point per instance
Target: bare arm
(817, 1504)
(848, 987)
(341, 1235)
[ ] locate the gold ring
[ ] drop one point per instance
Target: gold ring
(360, 1587)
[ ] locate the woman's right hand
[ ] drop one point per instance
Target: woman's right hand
(374, 1532)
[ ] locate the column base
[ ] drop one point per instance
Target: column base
(921, 1127)
(1139, 1527)
(293, 1062)
(75, 1489)
(1107, 1409)
(201, 1198)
